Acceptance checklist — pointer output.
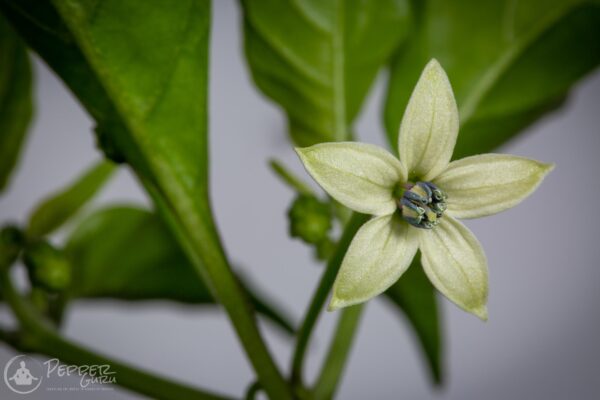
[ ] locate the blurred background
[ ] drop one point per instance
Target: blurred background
(541, 341)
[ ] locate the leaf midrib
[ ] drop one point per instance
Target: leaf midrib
(179, 190)
(493, 73)
(339, 74)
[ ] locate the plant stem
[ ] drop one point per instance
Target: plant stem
(292, 180)
(201, 243)
(38, 336)
(334, 364)
(53, 345)
(321, 294)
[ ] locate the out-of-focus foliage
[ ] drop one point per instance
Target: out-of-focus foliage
(139, 95)
(509, 62)
(47, 266)
(16, 106)
(128, 253)
(317, 59)
(58, 208)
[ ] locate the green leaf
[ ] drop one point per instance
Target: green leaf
(128, 253)
(414, 296)
(141, 70)
(318, 59)
(16, 108)
(57, 209)
(509, 62)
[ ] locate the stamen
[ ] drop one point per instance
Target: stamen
(422, 205)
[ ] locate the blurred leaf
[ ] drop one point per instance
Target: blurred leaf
(57, 209)
(127, 253)
(509, 62)
(317, 59)
(415, 297)
(16, 106)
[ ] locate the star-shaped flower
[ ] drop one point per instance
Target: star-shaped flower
(416, 200)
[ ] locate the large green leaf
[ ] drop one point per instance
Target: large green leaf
(415, 297)
(16, 106)
(509, 62)
(127, 253)
(141, 70)
(57, 209)
(318, 58)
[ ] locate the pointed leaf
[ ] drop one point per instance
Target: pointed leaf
(489, 183)
(523, 59)
(16, 106)
(57, 209)
(127, 253)
(318, 59)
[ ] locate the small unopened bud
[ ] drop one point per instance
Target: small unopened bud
(47, 266)
(310, 219)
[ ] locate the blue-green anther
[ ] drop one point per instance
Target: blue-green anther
(422, 205)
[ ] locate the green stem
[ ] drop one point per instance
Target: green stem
(38, 336)
(201, 243)
(292, 180)
(333, 367)
(318, 300)
(153, 386)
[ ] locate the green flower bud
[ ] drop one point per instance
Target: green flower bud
(11, 242)
(310, 219)
(47, 266)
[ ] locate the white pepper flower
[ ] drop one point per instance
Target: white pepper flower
(417, 199)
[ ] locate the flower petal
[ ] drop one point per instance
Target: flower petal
(379, 254)
(455, 263)
(360, 176)
(487, 184)
(430, 125)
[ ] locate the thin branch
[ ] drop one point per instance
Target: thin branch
(334, 364)
(318, 300)
(38, 336)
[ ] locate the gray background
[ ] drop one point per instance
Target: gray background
(540, 341)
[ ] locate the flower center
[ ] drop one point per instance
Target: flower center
(422, 204)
